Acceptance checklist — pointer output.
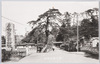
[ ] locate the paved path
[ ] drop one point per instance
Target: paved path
(58, 56)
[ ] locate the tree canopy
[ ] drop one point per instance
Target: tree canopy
(60, 25)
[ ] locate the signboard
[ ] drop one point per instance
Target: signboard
(10, 35)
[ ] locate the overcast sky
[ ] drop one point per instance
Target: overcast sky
(24, 11)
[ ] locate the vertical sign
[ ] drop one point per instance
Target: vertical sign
(10, 35)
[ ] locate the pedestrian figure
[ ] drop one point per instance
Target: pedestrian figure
(39, 47)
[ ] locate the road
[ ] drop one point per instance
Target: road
(58, 56)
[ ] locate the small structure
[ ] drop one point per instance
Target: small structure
(94, 41)
(92, 47)
(57, 43)
(23, 49)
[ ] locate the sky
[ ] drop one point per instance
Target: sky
(21, 12)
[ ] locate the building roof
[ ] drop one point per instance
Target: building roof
(94, 38)
(56, 42)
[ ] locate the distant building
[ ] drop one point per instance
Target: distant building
(10, 35)
(3, 41)
(18, 39)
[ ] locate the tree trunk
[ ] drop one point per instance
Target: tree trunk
(47, 31)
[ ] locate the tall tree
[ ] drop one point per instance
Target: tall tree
(89, 25)
(47, 20)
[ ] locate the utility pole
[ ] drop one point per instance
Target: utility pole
(77, 35)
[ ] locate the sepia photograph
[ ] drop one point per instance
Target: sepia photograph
(50, 32)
